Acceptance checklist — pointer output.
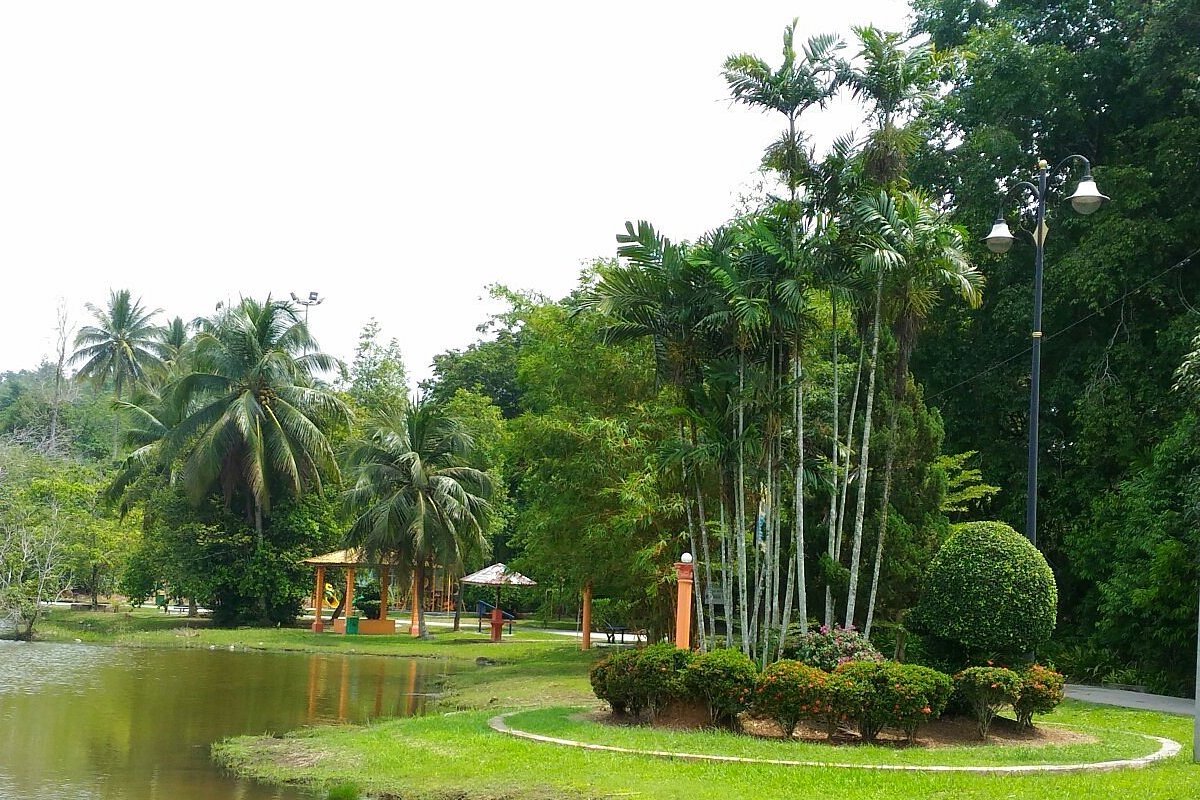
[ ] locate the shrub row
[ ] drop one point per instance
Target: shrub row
(868, 695)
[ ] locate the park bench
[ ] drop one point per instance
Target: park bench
(613, 630)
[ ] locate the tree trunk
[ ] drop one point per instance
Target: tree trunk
(787, 607)
(864, 459)
(798, 531)
(833, 494)
(710, 606)
(883, 513)
(845, 490)
(258, 523)
(95, 586)
(740, 511)
(726, 572)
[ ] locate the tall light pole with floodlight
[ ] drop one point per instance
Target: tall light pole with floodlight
(1085, 200)
(313, 300)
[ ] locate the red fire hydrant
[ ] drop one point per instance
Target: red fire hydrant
(497, 624)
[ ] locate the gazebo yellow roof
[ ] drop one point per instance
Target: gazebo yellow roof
(351, 557)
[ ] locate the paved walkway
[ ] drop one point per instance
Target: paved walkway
(1135, 700)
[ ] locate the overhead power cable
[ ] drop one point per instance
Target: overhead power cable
(992, 367)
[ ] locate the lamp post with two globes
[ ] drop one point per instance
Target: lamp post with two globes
(1085, 200)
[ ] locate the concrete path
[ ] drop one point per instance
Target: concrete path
(1136, 700)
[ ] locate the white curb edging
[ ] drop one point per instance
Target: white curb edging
(1167, 748)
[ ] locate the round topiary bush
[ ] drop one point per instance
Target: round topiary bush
(724, 679)
(989, 591)
(789, 691)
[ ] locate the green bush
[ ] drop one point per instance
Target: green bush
(1040, 693)
(989, 591)
(876, 695)
(986, 690)
(621, 688)
(789, 691)
(724, 679)
(658, 674)
(826, 648)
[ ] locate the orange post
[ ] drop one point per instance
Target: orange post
(383, 592)
(318, 626)
(587, 618)
(683, 612)
(348, 604)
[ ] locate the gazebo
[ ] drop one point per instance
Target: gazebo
(351, 560)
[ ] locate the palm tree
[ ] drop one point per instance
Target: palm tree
(893, 81)
(932, 257)
(414, 499)
(797, 85)
(254, 421)
(121, 348)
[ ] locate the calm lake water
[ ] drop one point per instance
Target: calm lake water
(80, 722)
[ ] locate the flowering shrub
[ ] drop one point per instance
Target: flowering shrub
(827, 648)
(614, 681)
(986, 690)
(1040, 693)
(876, 695)
(724, 680)
(789, 691)
(657, 674)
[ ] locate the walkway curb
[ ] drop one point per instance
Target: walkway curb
(1167, 748)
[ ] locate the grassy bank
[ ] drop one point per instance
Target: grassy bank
(458, 756)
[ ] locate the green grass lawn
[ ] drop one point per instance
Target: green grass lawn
(458, 756)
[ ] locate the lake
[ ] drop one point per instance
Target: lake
(83, 722)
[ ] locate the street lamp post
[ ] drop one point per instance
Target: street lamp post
(1085, 200)
(313, 300)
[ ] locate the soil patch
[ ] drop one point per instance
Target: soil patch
(947, 732)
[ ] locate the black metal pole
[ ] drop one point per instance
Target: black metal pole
(1039, 237)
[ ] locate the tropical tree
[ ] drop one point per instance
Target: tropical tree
(414, 499)
(253, 418)
(893, 81)
(120, 348)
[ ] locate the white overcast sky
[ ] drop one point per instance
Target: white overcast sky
(396, 157)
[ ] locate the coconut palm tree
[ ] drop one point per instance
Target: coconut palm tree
(414, 499)
(254, 420)
(120, 349)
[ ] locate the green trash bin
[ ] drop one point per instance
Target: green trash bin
(351, 625)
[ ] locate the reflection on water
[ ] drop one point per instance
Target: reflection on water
(79, 722)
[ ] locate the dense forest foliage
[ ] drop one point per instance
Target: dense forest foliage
(807, 398)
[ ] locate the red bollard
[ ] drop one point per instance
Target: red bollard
(497, 624)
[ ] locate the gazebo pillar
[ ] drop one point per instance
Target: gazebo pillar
(383, 592)
(318, 626)
(348, 604)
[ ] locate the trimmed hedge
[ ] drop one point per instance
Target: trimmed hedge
(990, 591)
(868, 694)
